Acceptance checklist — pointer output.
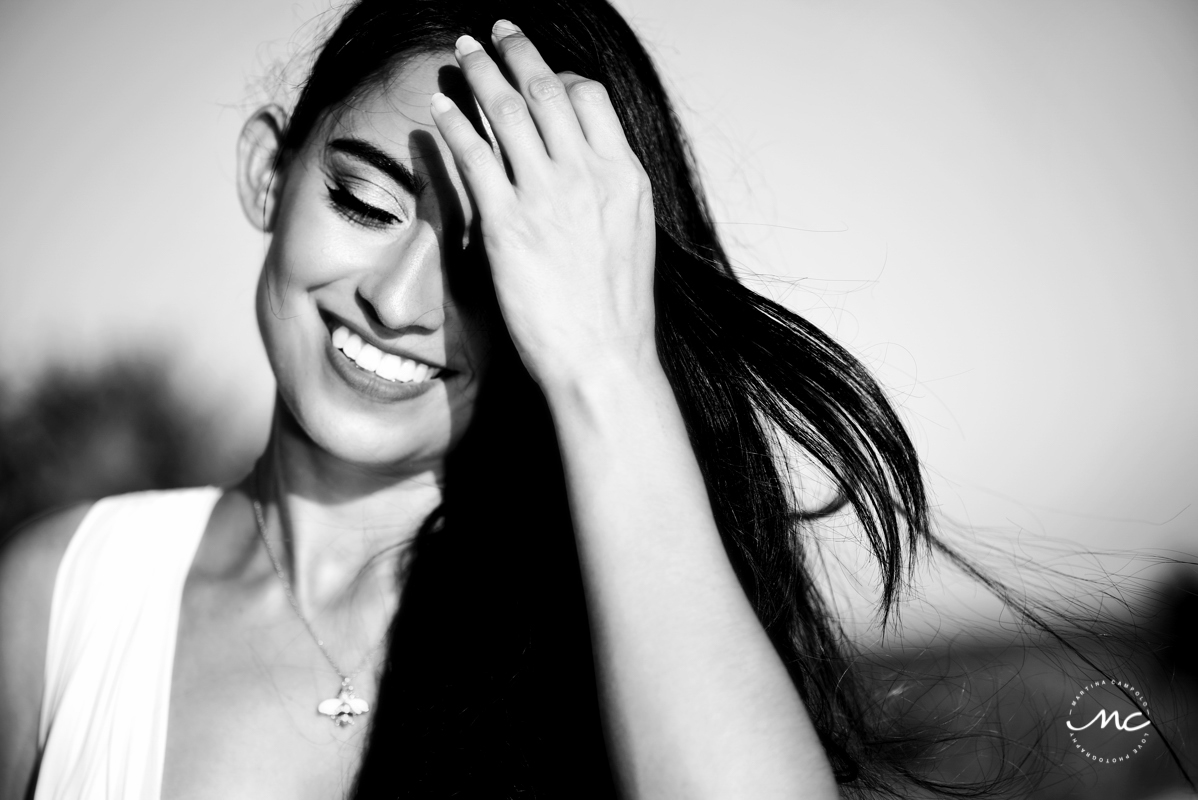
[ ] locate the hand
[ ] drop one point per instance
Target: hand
(570, 237)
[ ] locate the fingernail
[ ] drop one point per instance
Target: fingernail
(505, 28)
(467, 45)
(440, 103)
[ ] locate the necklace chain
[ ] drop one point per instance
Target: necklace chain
(346, 680)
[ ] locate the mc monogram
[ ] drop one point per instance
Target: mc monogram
(1121, 713)
(1125, 725)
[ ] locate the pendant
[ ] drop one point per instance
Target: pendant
(344, 707)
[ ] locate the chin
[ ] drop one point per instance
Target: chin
(384, 443)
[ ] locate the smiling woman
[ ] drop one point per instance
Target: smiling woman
(372, 352)
(525, 523)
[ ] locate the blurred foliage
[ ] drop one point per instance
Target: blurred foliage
(120, 427)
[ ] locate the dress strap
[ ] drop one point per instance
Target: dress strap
(114, 617)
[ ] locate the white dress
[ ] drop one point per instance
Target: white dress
(111, 649)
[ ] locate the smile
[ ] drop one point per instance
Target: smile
(387, 366)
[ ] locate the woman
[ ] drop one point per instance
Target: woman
(515, 371)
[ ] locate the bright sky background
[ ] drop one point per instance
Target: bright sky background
(994, 203)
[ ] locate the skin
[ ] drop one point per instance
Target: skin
(696, 701)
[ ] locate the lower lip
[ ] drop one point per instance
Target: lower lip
(370, 385)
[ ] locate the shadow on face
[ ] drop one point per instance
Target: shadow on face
(375, 240)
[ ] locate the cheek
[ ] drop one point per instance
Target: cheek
(295, 263)
(282, 339)
(303, 249)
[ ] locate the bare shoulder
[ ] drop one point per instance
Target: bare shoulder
(29, 559)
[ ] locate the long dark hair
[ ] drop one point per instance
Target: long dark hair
(489, 687)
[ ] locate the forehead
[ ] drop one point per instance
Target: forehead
(395, 116)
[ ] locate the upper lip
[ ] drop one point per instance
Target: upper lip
(333, 321)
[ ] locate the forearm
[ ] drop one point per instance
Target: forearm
(696, 699)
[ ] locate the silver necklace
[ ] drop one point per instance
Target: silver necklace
(346, 705)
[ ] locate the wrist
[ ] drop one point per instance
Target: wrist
(608, 384)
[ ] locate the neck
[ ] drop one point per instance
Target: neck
(338, 528)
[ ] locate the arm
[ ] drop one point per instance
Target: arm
(696, 700)
(29, 559)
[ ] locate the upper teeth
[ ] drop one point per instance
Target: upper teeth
(385, 365)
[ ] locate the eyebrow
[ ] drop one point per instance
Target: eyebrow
(376, 158)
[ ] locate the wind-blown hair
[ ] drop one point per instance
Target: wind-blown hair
(489, 688)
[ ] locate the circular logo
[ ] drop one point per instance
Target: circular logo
(1108, 722)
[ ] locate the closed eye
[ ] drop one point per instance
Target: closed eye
(356, 210)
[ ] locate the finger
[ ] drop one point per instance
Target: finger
(503, 107)
(596, 116)
(543, 91)
(475, 157)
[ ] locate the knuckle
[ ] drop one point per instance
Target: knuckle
(640, 180)
(476, 156)
(632, 177)
(514, 44)
(459, 126)
(544, 88)
(636, 179)
(475, 63)
(588, 91)
(507, 109)
(569, 79)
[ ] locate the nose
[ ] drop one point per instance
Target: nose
(407, 288)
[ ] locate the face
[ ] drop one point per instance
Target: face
(377, 360)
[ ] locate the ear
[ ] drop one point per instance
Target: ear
(257, 184)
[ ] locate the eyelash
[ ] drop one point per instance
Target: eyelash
(352, 208)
